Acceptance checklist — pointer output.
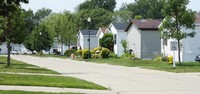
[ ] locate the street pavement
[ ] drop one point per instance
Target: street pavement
(121, 80)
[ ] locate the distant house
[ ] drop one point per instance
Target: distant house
(117, 29)
(82, 39)
(100, 33)
(143, 38)
(190, 47)
(4, 49)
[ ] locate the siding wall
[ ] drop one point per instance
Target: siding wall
(121, 36)
(191, 45)
(114, 31)
(93, 42)
(134, 40)
(150, 44)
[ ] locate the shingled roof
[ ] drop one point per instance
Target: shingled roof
(86, 32)
(197, 17)
(103, 29)
(120, 26)
(145, 24)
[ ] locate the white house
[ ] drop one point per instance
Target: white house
(143, 38)
(4, 49)
(117, 29)
(83, 37)
(190, 47)
(100, 33)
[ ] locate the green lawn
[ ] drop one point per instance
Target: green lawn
(48, 81)
(149, 64)
(18, 66)
(26, 92)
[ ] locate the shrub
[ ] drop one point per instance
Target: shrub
(95, 56)
(112, 55)
(128, 56)
(105, 53)
(124, 45)
(94, 51)
(164, 58)
(160, 58)
(79, 52)
(86, 54)
(69, 52)
(107, 41)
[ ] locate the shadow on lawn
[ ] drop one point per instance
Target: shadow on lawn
(2, 63)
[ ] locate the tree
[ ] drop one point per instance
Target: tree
(177, 16)
(7, 9)
(41, 38)
(41, 14)
(145, 8)
(108, 5)
(100, 18)
(63, 26)
(34, 21)
(107, 41)
(122, 16)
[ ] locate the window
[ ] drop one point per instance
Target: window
(115, 38)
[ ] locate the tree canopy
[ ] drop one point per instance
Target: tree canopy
(64, 28)
(9, 6)
(145, 8)
(122, 16)
(108, 5)
(100, 17)
(39, 26)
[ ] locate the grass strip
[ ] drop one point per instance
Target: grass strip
(18, 66)
(150, 64)
(47, 81)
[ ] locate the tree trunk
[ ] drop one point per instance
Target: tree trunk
(179, 52)
(8, 58)
(8, 40)
(69, 44)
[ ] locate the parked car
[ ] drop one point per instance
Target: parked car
(15, 52)
(26, 52)
(34, 52)
(197, 58)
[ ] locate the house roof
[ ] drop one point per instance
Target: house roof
(103, 29)
(197, 18)
(120, 26)
(86, 32)
(144, 24)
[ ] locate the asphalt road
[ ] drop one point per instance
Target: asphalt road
(121, 80)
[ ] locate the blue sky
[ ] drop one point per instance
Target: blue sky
(61, 5)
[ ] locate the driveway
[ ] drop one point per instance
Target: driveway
(122, 80)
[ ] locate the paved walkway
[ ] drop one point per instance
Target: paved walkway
(121, 80)
(54, 89)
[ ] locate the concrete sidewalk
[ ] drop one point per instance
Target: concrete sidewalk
(54, 89)
(121, 80)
